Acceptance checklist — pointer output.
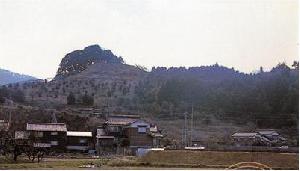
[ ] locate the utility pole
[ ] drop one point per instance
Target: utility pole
(192, 125)
(54, 120)
(9, 120)
(185, 129)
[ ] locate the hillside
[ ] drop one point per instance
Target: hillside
(222, 100)
(91, 73)
(8, 77)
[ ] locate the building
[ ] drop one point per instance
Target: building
(79, 141)
(125, 134)
(245, 138)
(105, 144)
(48, 135)
(258, 138)
(157, 136)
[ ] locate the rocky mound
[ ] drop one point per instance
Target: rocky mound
(79, 60)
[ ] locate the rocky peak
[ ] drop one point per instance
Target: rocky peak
(79, 60)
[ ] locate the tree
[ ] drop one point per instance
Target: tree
(87, 100)
(296, 65)
(71, 100)
(17, 96)
(261, 70)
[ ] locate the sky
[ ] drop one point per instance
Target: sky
(245, 34)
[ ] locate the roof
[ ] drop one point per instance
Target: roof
(59, 127)
(126, 116)
(79, 134)
(156, 134)
(268, 132)
(105, 137)
(153, 129)
(120, 121)
(244, 134)
(102, 135)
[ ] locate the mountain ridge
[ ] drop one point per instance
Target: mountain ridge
(9, 77)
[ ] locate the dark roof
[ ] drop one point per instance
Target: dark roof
(120, 120)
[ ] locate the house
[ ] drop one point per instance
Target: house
(157, 136)
(258, 138)
(48, 135)
(270, 134)
(138, 134)
(79, 141)
(126, 134)
(245, 138)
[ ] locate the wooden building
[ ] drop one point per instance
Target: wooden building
(48, 135)
(126, 134)
(79, 141)
(105, 143)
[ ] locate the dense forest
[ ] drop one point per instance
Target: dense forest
(223, 92)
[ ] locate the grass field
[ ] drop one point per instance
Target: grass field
(221, 159)
(164, 160)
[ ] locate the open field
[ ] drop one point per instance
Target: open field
(221, 159)
(163, 160)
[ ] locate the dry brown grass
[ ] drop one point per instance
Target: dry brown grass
(225, 159)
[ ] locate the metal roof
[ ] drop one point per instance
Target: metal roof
(59, 127)
(79, 134)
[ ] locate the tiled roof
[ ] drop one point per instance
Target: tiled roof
(245, 134)
(59, 127)
(120, 120)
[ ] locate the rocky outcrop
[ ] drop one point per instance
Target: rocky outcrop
(79, 60)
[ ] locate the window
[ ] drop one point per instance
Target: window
(54, 143)
(142, 129)
(82, 141)
(54, 133)
(39, 134)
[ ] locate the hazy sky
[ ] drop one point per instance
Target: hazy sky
(245, 34)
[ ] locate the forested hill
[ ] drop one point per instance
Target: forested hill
(97, 77)
(221, 91)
